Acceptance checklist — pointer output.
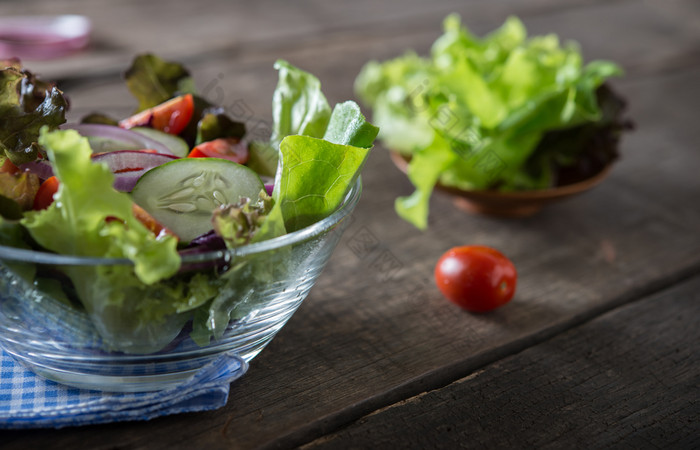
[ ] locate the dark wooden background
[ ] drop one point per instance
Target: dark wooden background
(599, 347)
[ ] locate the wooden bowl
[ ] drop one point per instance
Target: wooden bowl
(512, 203)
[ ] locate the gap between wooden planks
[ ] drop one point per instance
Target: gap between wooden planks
(628, 377)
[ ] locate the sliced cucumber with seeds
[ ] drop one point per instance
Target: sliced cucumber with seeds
(183, 193)
(176, 144)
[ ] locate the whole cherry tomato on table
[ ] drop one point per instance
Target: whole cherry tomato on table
(476, 277)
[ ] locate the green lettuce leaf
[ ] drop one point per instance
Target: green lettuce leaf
(263, 158)
(298, 105)
(132, 308)
(489, 101)
(321, 155)
(316, 174)
(18, 189)
(321, 152)
(396, 90)
(12, 234)
(424, 171)
(347, 126)
(80, 220)
(215, 124)
(237, 224)
(26, 105)
(152, 80)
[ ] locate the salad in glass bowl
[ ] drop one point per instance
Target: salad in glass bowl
(134, 251)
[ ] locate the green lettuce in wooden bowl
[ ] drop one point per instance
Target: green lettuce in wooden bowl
(506, 113)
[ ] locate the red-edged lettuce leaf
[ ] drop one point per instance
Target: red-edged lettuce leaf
(26, 105)
(153, 80)
(215, 124)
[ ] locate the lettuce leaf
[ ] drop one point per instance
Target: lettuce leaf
(395, 91)
(237, 224)
(347, 126)
(131, 307)
(489, 102)
(152, 80)
(316, 174)
(26, 105)
(263, 158)
(424, 172)
(17, 192)
(298, 105)
(215, 124)
(320, 152)
(12, 234)
(81, 220)
(320, 157)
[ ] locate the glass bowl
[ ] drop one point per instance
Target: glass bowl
(60, 341)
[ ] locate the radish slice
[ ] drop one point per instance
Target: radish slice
(128, 165)
(108, 138)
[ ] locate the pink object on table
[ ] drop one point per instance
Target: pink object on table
(43, 37)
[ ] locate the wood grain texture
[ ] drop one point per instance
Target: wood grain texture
(374, 330)
(213, 28)
(628, 379)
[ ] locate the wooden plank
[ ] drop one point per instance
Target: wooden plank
(655, 41)
(628, 379)
(211, 28)
(368, 337)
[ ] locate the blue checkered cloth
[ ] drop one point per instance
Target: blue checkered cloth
(30, 401)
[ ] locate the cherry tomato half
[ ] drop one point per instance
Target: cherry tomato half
(171, 116)
(477, 278)
(8, 167)
(226, 148)
(44, 196)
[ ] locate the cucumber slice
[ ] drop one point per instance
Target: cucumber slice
(176, 144)
(183, 193)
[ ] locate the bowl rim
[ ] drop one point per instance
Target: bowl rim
(8, 253)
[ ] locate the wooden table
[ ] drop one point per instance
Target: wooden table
(599, 348)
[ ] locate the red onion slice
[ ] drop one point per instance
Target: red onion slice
(128, 165)
(40, 168)
(117, 137)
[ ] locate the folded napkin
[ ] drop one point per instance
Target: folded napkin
(30, 401)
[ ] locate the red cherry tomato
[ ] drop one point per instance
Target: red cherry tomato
(477, 278)
(171, 116)
(8, 167)
(226, 148)
(44, 196)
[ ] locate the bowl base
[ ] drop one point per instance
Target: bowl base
(122, 383)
